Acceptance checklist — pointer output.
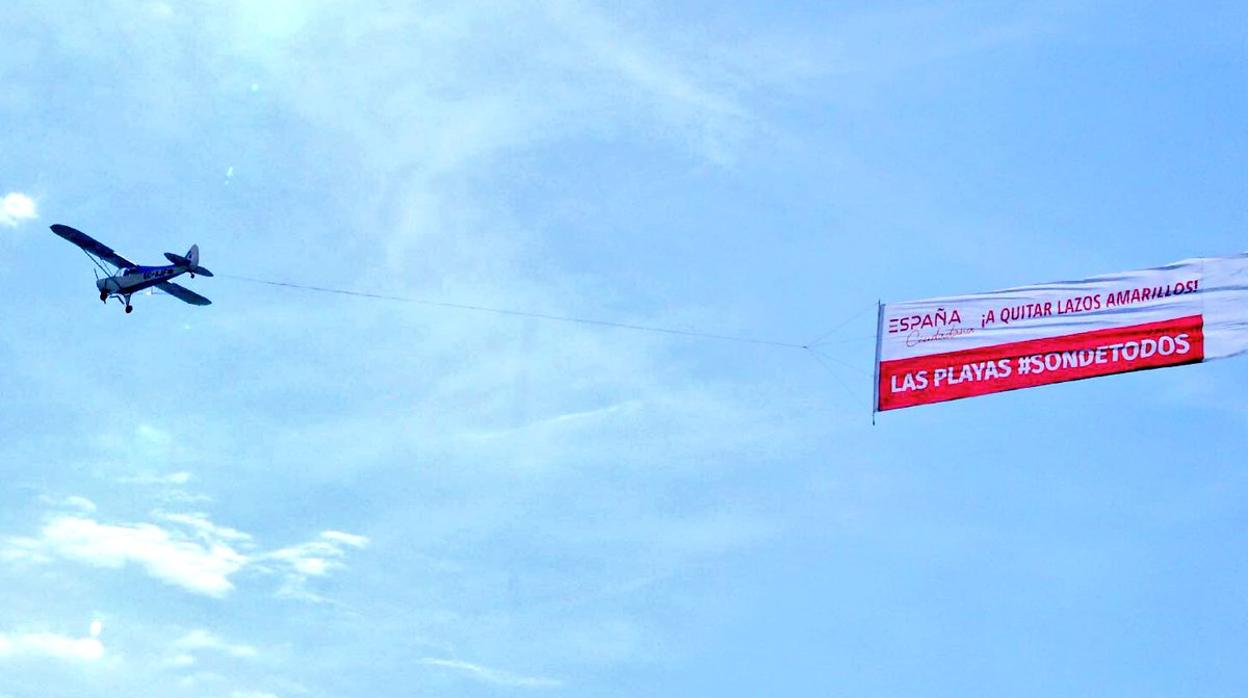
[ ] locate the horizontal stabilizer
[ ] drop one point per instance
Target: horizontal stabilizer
(189, 260)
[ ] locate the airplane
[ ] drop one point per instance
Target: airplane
(130, 277)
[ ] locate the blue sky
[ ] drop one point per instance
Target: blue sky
(296, 494)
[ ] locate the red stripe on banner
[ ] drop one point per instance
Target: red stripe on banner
(939, 377)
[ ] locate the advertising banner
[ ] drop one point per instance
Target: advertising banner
(961, 346)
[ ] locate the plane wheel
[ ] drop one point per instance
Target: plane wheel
(104, 296)
(129, 309)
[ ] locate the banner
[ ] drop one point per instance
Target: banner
(962, 346)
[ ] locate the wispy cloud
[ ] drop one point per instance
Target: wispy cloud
(345, 538)
(44, 644)
(492, 676)
(202, 640)
(566, 421)
(679, 89)
(186, 550)
(178, 478)
(17, 207)
(203, 528)
(863, 46)
(72, 502)
(167, 554)
(314, 558)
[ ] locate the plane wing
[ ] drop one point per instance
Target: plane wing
(92, 246)
(183, 293)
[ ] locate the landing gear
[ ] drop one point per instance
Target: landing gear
(103, 296)
(129, 309)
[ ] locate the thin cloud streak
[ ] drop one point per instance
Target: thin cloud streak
(492, 676)
(201, 640)
(178, 478)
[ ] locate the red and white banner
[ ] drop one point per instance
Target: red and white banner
(962, 346)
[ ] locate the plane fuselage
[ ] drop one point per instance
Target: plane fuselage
(130, 280)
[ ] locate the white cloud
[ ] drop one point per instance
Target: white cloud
(168, 487)
(153, 435)
(315, 558)
(346, 538)
(168, 555)
(72, 502)
(200, 640)
(15, 208)
(200, 678)
(310, 559)
(187, 551)
(178, 478)
(204, 528)
(80, 503)
(492, 676)
(43, 644)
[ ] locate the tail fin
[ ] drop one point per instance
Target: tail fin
(191, 261)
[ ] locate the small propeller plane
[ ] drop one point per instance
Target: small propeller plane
(129, 277)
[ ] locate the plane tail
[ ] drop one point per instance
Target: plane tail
(189, 260)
